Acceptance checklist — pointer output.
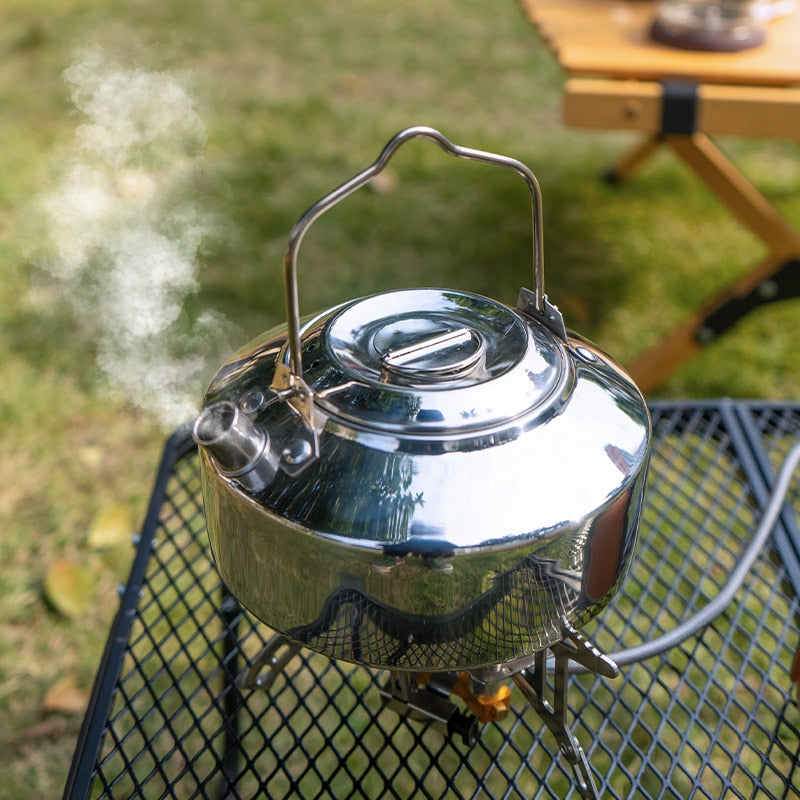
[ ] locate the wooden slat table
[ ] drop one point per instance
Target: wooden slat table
(622, 80)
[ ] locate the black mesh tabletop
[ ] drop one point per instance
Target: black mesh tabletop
(715, 717)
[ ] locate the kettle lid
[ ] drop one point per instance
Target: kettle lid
(429, 360)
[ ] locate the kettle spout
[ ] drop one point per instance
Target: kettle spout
(239, 447)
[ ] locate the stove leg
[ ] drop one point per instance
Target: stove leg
(269, 663)
(532, 682)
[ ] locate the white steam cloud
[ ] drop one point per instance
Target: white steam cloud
(123, 235)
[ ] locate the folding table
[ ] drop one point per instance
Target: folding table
(619, 78)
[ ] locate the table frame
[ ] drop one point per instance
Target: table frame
(168, 716)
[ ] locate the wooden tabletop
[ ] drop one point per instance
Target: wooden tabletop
(612, 38)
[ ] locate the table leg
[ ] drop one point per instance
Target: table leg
(623, 168)
(741, 197)
(776, 278)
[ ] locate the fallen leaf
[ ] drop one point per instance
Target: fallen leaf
(351, 84)
(65, 696)
(68, 587)
(112, 525)
(91, 456)
(51, 728)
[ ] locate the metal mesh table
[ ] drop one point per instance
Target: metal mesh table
(715, 717)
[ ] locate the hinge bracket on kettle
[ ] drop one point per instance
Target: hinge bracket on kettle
(303, 447)
(548, 314)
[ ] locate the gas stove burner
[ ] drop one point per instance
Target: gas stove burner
(710, 25)
(458, 702)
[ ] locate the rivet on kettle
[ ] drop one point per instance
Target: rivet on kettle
(253, 402)
(297, 452)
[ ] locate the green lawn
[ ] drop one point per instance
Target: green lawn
(293, 100)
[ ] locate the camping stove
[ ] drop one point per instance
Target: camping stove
(459, 702)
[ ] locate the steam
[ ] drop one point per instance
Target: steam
(123, 237)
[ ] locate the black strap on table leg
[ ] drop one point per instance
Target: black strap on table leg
(679, 108)
(783, 284)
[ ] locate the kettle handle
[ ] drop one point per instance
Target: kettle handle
(539, 301)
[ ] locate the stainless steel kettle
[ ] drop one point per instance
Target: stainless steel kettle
(423, 479)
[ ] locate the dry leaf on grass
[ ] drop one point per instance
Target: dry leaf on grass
(68, 587)
(112, 525)
(66, 696)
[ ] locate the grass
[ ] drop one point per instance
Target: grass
(294, 101)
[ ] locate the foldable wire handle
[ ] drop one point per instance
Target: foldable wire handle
(357, 181)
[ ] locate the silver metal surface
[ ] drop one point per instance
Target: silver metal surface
(440, 357)
(423, 536)
(241, 449)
